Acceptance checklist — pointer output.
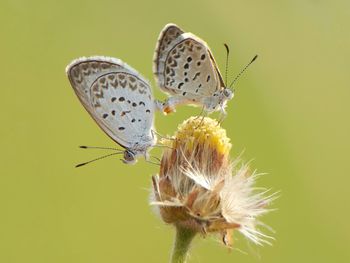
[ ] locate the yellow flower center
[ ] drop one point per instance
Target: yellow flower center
(198, 130)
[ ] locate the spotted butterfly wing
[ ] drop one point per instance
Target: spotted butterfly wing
(117, 97)
(185, 68)
(165, 39)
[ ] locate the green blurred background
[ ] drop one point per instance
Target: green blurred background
(290, 114)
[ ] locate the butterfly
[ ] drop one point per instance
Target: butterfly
(185, 68)
(119, 99)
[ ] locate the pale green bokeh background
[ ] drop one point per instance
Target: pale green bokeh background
(290, 114)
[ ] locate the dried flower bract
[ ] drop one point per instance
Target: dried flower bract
(201, 189)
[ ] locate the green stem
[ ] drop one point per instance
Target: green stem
(182, 244)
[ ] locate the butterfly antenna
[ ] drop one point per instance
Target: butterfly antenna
(102, 148)
(227, 55)
(99, 158)
(244, 69)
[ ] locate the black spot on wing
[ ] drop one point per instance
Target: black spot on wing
(180, 84)
(196, 75)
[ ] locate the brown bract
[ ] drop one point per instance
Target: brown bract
(198, 145)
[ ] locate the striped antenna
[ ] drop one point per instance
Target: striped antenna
(240, 73)
(227, 55)
(102, 148)
(99, 158)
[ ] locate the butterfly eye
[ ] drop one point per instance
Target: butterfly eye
(129, 156)
(228, 93)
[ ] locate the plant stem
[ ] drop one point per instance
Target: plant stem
(183, 239)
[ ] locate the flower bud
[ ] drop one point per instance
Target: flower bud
(201, 189)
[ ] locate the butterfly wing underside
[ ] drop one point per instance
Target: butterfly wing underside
(116, 96)
(184, 65)
(169, 33)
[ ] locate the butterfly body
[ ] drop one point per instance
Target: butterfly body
(119, 99)
(216, 102)
(185, 68)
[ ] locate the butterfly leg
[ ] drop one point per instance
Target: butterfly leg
(200, 114)
(154, 132)
(201, 122)
(148, 159)
(223, 115)
(164, 146)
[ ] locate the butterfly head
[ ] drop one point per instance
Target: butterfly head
(227, 94)
(129, 157)
(218, 100)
